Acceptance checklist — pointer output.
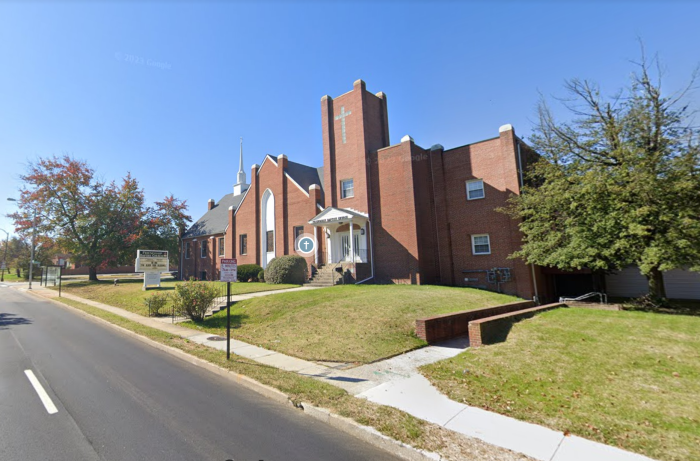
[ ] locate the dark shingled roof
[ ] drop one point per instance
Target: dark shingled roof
(304, 175)
(215, 220)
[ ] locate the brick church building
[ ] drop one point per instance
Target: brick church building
(378, 212)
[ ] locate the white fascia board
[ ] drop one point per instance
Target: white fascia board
(296, 184)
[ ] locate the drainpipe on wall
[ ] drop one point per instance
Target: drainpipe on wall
(371, 253)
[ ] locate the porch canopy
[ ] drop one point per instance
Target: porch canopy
(345, 233)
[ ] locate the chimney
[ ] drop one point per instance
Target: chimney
(210, 204)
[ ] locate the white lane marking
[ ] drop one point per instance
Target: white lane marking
(45, 399)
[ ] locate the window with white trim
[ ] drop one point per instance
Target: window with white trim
(347, 188)
(204, 248)
(222, 246)
(475, 189)
(481, 244)
(188, 250)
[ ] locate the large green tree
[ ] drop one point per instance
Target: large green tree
(617, 184)
(100, 224)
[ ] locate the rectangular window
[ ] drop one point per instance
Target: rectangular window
(475, 189)
(270, 241)
(222, 248)
(188, 250)
(204, 248)
(297, 231)
(481, 245)
(243, 244)
(347, 189)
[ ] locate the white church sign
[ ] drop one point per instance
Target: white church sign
(152, 263)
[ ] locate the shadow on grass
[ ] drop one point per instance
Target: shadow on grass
(219, 321)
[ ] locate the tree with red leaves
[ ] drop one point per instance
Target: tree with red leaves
(99, 223)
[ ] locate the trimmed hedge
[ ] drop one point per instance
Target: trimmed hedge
(248, 272)
(261, 276)
(287, 269)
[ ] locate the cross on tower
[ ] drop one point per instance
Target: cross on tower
(341, 117)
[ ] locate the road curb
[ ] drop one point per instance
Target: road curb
(349, 426)
(369, 434)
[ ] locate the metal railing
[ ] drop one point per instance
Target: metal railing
(603, 297)
(177, 315)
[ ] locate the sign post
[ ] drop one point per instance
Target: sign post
(229, 273)
(151, 263)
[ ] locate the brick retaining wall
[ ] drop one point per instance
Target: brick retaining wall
(494, 329)
(448, 326)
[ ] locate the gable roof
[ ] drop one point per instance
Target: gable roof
(215, 220)
(333, 214)
(304, 175)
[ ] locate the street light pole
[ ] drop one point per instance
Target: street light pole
(4, 258)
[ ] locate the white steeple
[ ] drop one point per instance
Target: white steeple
(241, 185)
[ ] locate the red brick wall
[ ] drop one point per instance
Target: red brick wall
(193, 266)
(366, 130)
(393, 215)
(293, 208)
(448, 326)
(493, 161)
(495, 328)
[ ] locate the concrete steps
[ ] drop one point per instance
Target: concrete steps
(325, 277)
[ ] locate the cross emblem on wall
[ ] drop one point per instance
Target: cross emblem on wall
(341, 117)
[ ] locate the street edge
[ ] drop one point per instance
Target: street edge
(347, 425)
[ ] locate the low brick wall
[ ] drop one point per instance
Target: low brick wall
(448, 326)
(494, 329)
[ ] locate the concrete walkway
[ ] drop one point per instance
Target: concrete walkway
(396, 382)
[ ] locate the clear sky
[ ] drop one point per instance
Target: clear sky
(164, 89)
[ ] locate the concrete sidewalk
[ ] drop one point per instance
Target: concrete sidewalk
(396, 382)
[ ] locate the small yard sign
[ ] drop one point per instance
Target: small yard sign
(229, 270)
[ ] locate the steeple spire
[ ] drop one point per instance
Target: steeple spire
(240, 185)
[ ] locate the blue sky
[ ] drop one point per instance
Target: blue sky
(164, 89)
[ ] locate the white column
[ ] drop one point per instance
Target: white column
(352, 245)
(316, 252)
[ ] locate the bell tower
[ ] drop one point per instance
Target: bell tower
(354, 124)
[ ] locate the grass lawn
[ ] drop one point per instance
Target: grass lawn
(130, 296)
(12, 277)
(630, 379)
(345, 323)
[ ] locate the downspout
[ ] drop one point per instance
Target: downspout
(522, 183)
(437, 234)
(371, 252)
(369, 224)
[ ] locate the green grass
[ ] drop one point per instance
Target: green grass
(130, 296)
(12, 276)
(629, 379)
(345, 323)
(389, 421)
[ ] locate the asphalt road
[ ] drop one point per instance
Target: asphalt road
(119, 399)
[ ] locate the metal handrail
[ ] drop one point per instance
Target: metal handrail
(603, 297)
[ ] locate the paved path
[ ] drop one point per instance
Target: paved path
(396, 382)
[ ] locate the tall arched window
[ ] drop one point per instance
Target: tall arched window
(267, 227)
